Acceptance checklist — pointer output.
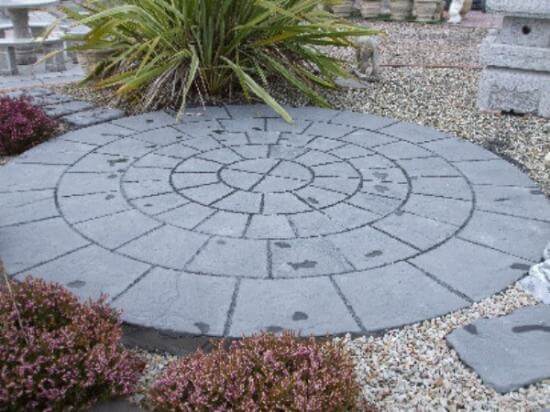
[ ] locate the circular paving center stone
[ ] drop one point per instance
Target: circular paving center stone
(233, 221)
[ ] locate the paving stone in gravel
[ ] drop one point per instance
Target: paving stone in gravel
(307, 226)
(507, 352)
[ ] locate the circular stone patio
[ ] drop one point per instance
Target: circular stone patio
(232, 221)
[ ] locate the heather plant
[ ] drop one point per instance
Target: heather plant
(159, 52)
(261, 373)
(57, 353)
(22, 125)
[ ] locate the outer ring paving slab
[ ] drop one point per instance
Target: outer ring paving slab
(231, 221)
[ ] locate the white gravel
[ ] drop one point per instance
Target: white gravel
(412, 368)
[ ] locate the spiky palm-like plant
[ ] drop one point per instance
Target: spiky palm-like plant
(161, 51)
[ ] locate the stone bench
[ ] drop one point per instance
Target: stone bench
(54, 63)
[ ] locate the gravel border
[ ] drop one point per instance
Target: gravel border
(412, 368)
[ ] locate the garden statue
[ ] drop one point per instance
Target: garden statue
(458, 9)
(368, 59)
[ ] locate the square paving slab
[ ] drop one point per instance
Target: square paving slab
(230, 221)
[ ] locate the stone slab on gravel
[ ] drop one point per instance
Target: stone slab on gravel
(277, 227)
(507, 352)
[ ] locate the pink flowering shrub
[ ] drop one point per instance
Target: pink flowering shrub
(261, 373)
(22, 125)
(58, 354)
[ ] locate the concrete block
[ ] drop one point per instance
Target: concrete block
(514, 90)
(522, 8)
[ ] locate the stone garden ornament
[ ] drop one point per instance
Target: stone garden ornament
(458, 9)
(368, 58)
(538, 281)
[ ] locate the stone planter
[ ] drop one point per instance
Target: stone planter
(370, 9)
(427, 10)
(401, 9)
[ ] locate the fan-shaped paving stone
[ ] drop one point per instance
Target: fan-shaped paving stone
(232, 221)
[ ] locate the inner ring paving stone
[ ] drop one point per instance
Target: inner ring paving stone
(232, 221)
(266, 175)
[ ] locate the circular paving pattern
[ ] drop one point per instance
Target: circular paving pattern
(232, 221)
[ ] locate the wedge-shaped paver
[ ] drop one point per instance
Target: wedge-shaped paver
(179, 302)
(92, 116)
(412, 132)
(308, 306)
(147, 121)
(474, 270)
(18, 208)
(508, 352)
(396, 295)
(31, 244)
(92, 271)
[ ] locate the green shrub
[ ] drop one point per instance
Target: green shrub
(162, 51)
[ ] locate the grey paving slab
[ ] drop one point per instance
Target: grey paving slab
(412, 132)
(364, 120)
(297, 304)
(179, 302)
(20, 177)
(232, 257)
(494, 172)
(475, 271)
(116, 229)
(168, 247)
(27, 206)
(92, 271)
(231, 221)
(92, 116)
(97, 135)
(508, 352)
(97, 204)
(393, 296)
(63, 109)
(55, 153)
(28, 245)
(502, 232)
(420, 232)
(194, 114)
(146, 121)
(458, 150)
(517, 201)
